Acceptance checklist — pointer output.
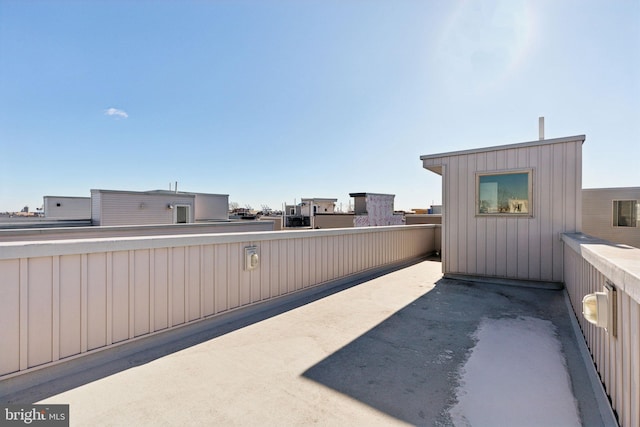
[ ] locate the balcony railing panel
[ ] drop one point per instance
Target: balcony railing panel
(63, 299)
(589, 265)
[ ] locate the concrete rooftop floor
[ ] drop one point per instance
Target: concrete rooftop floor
(382, 351)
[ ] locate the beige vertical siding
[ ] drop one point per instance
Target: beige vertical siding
(588, 266)
(527, 248)
(10, 315)
(66, 298)
(597, 214)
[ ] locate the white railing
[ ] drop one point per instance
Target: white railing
(89, 232)
(589, 265)
(65, 299)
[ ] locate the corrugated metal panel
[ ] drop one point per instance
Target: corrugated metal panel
(96, 298)
(70, 303)
(520, 247)
(10, 315)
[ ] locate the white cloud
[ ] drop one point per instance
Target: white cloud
(116, 112)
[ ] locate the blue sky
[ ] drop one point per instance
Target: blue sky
(271, 101)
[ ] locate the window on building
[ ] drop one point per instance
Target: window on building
(182, 214)
(626, 213)
(504, 193)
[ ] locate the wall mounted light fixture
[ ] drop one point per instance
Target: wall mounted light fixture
(600, 309)
(251, 257)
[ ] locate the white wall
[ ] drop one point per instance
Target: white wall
(326, 206)
(322, 206)
(67, 208)
(515, 247)
(211, 207)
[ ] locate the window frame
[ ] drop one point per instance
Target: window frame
(530, 210)
(178, 206)
(635, 212)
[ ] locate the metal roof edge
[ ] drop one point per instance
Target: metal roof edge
(148, 193)
(159, 192)
(319, 199)
(67, 197)
(506, 147)
(612, 189)
(364, 194)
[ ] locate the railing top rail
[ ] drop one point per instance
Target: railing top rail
(28, 249)
(71, 227)
(619, 263)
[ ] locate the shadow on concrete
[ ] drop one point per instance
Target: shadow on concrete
(409, 365)
(40, 384)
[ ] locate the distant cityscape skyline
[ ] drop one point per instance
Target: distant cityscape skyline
(271, 101)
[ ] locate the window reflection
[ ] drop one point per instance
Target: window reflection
(506, 193)
(625, 213)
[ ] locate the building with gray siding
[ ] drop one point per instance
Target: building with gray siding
(505, 207)
(612, 214)
(115, 207)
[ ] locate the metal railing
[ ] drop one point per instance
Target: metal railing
(590, 265)
(65, 299)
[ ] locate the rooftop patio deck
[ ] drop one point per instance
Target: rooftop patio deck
(387, 350)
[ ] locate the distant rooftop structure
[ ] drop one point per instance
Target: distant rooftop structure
(612, 214)
(117, 207)
(300, 215)
(121, 213)
(370, 209)
(374, 209)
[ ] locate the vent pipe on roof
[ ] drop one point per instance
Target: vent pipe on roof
(176, 189)
(541, 128)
